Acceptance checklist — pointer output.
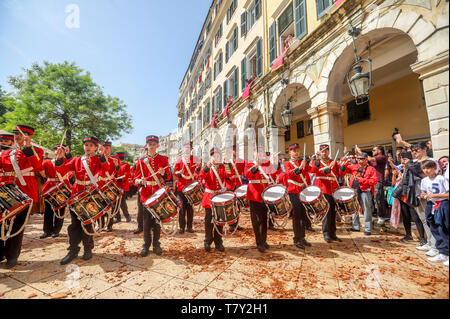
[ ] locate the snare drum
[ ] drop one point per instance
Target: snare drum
(163, 204)
(241, 195)
(346, 200)
(111, 191)
(12, 201)
(277, 199)
(224, 209)
(315, 203)
(57, 196)
(193, 193)
(89, 205)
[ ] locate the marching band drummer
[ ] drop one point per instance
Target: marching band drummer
(123, 182)
(186, 170)
(84, 168)
(213, 176)
(6, 141)
(326, 171)
(52, 225)
(297, 180)
(150, 173)
(19, 166)
(260, 175)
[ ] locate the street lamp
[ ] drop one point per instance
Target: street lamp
(286, 117)
(359, 82)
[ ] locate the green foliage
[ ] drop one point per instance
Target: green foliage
(54, 98)
(128, 157)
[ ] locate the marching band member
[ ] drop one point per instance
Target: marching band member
(19, 166)
(213, 177)
(52, 225)
(151, 172)
(260, 175)
(123, 182)
(6, 141)
(297, 180)
(186, 169)
(325, 172)
(236, 170)
(84, 168)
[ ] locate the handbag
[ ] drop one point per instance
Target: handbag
(389, 197)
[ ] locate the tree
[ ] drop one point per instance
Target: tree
(128, 156)
(3, 108)
(54, 98)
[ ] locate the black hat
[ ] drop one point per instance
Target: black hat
(91, 139)
(152, 138)
(120, 155)
(293, 146)
(7, 136)
(324, 147)
(107, 143)
(24, 129)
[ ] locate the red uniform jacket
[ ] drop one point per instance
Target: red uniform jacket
(211, 183)
(108, 173)
(52, 175)
(95, 164)
(325, 182)
(234, 181)
(368, 179)
(180, 170)
(151, 186)
(295, 182)
(257, 183)
(28, 164)
(123, 177)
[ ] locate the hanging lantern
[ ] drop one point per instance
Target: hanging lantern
(359, 82)
(286, 117)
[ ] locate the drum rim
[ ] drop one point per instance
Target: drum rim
(156, 198)
(186, 186)
(47, 192)
(347, 200)
(315, 199)
(224, 203)
(278, 200)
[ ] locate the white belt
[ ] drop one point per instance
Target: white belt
(258, 181)
(150, 183)
(120, 177)
(104, 179)
(14, 174)
(84, 183)
(295, 183)
(326, 177)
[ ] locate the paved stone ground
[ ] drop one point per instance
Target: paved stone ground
(379, 266)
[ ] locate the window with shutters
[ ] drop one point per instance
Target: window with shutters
(322, 7)
(286, 27)
(287, 135)
(231, 9)
(309, 127)
(272, 43)
(357, 113)
(233, 83)
(249, 17)
(231, 45)
(218, 35)
(300, 129)
(243, 73)
(225, 92)
(300, 18)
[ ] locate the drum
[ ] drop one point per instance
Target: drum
(315, 203)
(193, 193)
(89, 205)
(241, 195)
(224, 209)
(346, 200)
(57, 196)
(277, 199)
(12, 201)
(163, 204)
(111, 191)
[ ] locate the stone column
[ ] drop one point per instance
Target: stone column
(434, 76)
(276, 140)
(328, 127)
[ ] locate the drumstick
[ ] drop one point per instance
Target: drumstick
(64, 136)
(34, 151)
(304, 151)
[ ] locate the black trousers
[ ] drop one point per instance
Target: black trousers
(258, 215)
(329, 222)
(140, 214)
(298, 218)
(52, 224)
(150, 226)
(77, 234)
(123, 207)
(408, 214)
(11, 248)
(186, 214)
(211, 234)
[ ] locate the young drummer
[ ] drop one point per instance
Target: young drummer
(19, 166)
(213, 177)
(186, 169)
(151, 172)
(6, 141)
(85, 168)
(297, 180)
(123, 181)
(236, 170)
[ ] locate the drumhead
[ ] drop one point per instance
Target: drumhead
(189, 187)
(273, 193)
(310, 194)
(344, 193)
(223, 198)
(241, 191)
(152, 199)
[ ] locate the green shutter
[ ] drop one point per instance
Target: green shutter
(235, 39)
(220, 99)
(257, 8)
(227, 51)
(225, 92)
(243, 23)
(272, 43)
(259, 58)
(300, 18)
(213, 105)
(243, 72)
(322, 6)
(236, 82)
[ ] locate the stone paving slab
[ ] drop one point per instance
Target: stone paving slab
(362, 267)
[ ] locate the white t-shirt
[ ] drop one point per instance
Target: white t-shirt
(446, 174)
(437, 185)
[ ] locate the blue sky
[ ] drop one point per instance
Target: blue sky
(137, 50)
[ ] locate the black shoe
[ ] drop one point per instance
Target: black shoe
(11, 263)
(207, 247)
(327, 239)
(406, 239)
(109, 229)
(220, 247)
(299, 245)
(310, 229)
(144, 252)
(181, 231)
(157, 250)
(137, 231)
(45, 235)
(305, 243)
(336, 239)
(352, 229)
(240, 228)
(261, 248)
(55, 235)
(266, 245)
(70, 256)
(87, 255)
(191, 230)
(271, 227)
(117, 220)
(128, 219)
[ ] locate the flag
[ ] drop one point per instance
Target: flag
(213, 121)
(279, 61)
(225, 111)
(200, 78)
(246, 93)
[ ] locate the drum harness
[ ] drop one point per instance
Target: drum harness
(61, 180)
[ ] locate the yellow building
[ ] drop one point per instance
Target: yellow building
(405, 40)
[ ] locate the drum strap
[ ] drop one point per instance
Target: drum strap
(16, 168)
(187, 167)
(301, 175)
(217, 175)
(88, 171)
(57, 173)
(152, 172)
(236, 171)
(269, 178)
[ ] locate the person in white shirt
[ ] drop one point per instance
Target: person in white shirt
(435, 189)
